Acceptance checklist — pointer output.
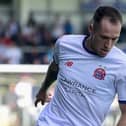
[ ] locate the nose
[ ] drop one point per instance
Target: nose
(108, 44)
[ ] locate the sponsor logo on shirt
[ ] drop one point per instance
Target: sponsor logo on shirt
(69, 63)
(99, 73)
(75, 87)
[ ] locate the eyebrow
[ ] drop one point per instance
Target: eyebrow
(106, 37)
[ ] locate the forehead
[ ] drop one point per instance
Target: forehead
(107, 26)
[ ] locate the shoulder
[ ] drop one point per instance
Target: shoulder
(117, 60)
(70, 38)
(68, 44)
(118, 54)
(119, 57)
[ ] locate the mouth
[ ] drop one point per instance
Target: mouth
(104, 52)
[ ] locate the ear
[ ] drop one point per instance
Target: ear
(90, 28)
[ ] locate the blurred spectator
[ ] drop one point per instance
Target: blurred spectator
(84, 29)
(23, 90)
(28, 34)
(68, 27)
(11, 101)
(2, 28)
(122, 37)
(43, 36)
(3, 59)
(11, 98)
(31, 20)
(28, 31)
(33, 57)
(57, 29)
(91, 4)
(13, 53)
(13, 30)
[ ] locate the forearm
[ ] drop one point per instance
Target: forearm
(51, 76)
(122, 121)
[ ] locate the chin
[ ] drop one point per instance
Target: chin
(102, 55)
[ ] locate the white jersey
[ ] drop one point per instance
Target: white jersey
(86, 84)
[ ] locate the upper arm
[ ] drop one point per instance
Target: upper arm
(54, 66)
(51, 75)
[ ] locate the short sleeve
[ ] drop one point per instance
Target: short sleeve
(121, 86)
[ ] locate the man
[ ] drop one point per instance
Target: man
(90, 71)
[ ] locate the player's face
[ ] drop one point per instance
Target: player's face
(105, 37)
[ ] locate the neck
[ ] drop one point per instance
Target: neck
(88, 43)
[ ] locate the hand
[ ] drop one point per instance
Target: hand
(40, 97)
(49, 96)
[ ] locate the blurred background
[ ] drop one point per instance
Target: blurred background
(29, 28)
(28, 31)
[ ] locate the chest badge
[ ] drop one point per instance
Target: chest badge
(99, 73)
(69, 63)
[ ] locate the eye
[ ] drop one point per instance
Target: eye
(104, 37)
(115, 39)
(107, 38)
